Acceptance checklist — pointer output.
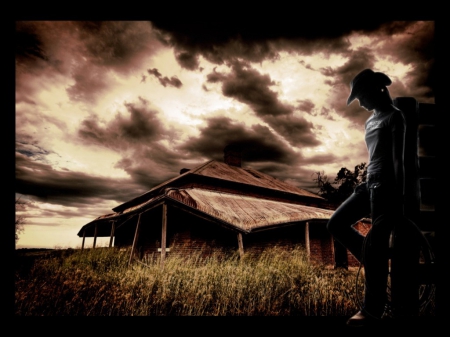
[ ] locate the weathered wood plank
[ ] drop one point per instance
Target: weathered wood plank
(136, 237)
(111, 238)
(84, 237)
(240, 245)
(307, 243)
(95, 235)
(163, 234)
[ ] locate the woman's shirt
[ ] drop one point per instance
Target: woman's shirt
(385, 142)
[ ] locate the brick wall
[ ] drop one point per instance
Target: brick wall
(363, 227)
(188, 234)
(320, 244)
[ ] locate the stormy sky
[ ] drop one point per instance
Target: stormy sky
(106, 110)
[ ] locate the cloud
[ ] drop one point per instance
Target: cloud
(187, 60)
(250, 87)
(339, 79)
(413, 44)
(66, 187)
(416, 45)
(257, 142)
(173, 81)
(150, 166)
(142, 141)
(90, 83)
(305, 105)
(116, 44)
(140, 125)
(221, 41)
(86, 52)
(30, 150)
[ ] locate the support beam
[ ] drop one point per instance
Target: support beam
(95, 235)
(240, 245)
(308, 247)
(136, 236)
(163, 234)
(113, 228)
(84, 237)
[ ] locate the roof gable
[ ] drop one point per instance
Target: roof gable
(249, 176)
(222, 172)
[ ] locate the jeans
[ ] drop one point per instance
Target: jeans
(376, 198)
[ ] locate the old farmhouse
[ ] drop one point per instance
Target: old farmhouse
(218, 205)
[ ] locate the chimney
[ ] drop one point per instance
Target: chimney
(232, 155)
(184, 170)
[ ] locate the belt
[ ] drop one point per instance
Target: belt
(378, 176)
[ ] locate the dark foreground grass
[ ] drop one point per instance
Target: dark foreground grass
(99, 282)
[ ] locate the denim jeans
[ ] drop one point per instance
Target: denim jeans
(375, 198)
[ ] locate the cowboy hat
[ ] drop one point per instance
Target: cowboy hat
(365, 79)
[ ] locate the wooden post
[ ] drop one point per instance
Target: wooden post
(163, 234)
(136, 236)
(113, 227)
(308, 248)
(240, 245)
(95, 236)
(84, 237)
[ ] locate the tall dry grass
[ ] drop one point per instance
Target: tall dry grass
(99, 282)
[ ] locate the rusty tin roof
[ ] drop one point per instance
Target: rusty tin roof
(244, 213)
(222, 172)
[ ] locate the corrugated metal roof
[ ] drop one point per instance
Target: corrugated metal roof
(244, 212)
(224, 172)
(248, 176)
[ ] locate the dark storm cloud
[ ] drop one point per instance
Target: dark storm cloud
(296, 130)
(61, 214)
(257, 142)
(173, 81)
(151, 165)
(339, 79)
(252, 88)
(141, 125)
(115, 43)
(417, 47)
(187, 59)
(154, 72)
(85, 51)
(68, 188)
(358, 60)
(298, 175)
(221, 42)
(253, 40)
(136, 137)
(216, 42)
(29, 46)
(414, 46)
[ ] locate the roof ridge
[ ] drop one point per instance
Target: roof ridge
(160, 185)
(201, 166)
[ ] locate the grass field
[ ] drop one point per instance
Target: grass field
(99, 282)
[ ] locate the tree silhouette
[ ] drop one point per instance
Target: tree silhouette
(20, 219)
(343, 185)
